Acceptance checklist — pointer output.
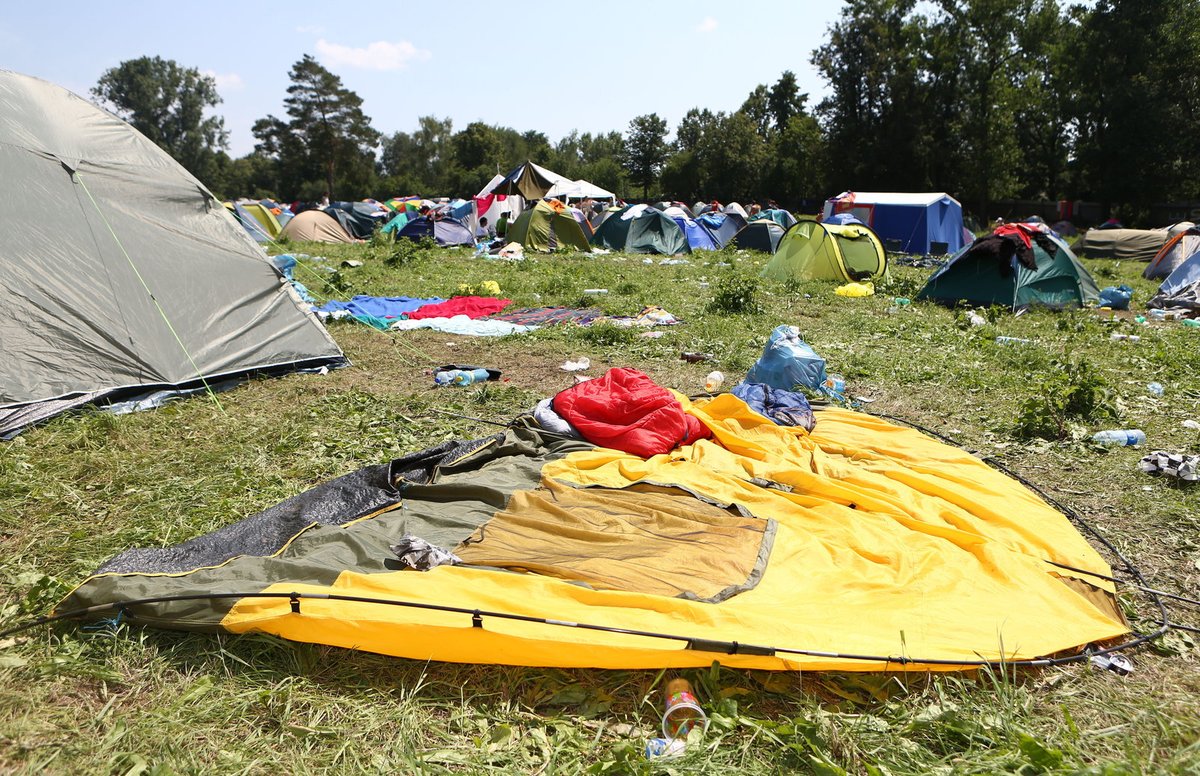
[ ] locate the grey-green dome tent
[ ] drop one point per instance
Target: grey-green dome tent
(979, 276)
(122, 275)
(641, 229)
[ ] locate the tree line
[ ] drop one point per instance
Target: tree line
(985, 99)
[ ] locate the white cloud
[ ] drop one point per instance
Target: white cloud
(708, 25)
(379, 55)
(310, 29)
(230, 82)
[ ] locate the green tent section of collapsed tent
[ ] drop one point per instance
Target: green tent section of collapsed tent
(1058, 281)
(123, 275)
(816, 251)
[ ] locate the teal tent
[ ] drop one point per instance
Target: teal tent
(979, 275)
(641, 229)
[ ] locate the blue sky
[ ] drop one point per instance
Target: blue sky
(551, 67)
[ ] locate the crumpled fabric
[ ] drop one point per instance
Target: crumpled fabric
(1178, 465)
(419, 555)
(461, 324)
(786, 408)
(551, 421)
(470, 306)
(625, 410)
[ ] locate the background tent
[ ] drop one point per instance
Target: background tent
(762, 235)
(815, 251)
(917, 221)
(781, 217)
(1181, 288)
(548, 226)
(257, 219)
(528, 180)
(641, 229)
(697, 235)
(358, 218)
(1125, 244)
(1177, 250)
(722, 226)
(444, 231)
(121, 273)
(316, 226)
(976, 276)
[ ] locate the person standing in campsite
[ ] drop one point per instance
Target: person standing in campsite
(502, 224)
(485, 232)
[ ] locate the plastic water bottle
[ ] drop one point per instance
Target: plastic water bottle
(1124, 437)
(446, 376)
(468, 376)
(1012, 341)
(834, 385)
(714, 381)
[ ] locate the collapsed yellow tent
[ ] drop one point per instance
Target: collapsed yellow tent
(860, 546)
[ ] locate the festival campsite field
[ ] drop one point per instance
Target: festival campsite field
(130, 701)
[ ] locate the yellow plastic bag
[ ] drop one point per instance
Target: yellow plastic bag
(856, 289)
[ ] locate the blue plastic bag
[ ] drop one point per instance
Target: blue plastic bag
(788, 361)
(1116, 297)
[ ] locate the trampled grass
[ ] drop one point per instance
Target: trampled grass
(122, 700)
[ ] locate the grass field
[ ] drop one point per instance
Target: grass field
(83, 488)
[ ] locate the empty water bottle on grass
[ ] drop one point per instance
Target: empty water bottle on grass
(1124, 437)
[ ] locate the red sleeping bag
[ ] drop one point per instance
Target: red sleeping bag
(625, 410)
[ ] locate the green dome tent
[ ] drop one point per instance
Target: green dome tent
(811, 250)
(641, 229)
(976, 276)
(545, 228)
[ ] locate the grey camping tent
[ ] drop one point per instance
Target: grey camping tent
(122, 274)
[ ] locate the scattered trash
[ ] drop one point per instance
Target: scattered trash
(1177, 465)
(595, 290)
(713, 382)
(653, 334)
(1117, 336)
(855, 289)
(460, 376)
(1159, 314)
(682, 711)
(835, 386)
(788, 361)
(1116, 297)
(1191, 322)
(418, 554)
(1193, 425)
(1156, 389)
(1124, 437)
(665, 747)
(702, 284)
(1013, 341)
(514, 251)
(902, 301)
(696, 358)
(579, 365)
(351, 263)
(975, 319)
(1118, 664)
(1140, 318)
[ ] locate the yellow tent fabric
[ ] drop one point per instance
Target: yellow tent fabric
(817, 251)
(888, 543)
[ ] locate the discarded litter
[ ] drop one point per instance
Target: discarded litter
(595, 290)
(1118, 664)
(1193, 425)
(1156, 389)
(855, 289)
(460, 376)
(1125, 437)
(695, 358)
(1117, 336)
(1176, 465)
(665, 747)
(682, 711)
(713, 382)
(975, 319)
(578, 365)
(1013, 341)
(1191, 322)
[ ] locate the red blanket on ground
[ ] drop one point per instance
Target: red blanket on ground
(470, 306)
(625, 410)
